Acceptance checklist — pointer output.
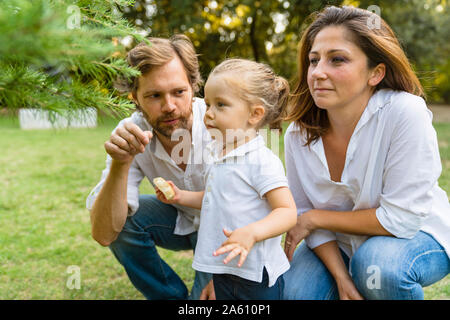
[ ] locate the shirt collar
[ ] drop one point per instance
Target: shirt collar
(254, 144)
(377, 101)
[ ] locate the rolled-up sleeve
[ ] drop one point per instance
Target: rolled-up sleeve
(411, 170)
(135, 177)
(319, 236)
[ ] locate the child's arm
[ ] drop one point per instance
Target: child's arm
(192, 199)
(282, 218)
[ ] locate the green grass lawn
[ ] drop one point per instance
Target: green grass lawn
(45, 177)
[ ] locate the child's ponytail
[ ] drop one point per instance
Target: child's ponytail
(281, 85)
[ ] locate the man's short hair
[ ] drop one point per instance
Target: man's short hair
(160, 51)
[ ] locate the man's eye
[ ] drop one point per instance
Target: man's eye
(180, 92)
(152, 96)
(220, 104)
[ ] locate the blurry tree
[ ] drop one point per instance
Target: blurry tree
(266, 31)
(61, 55)
(423, 28)
(269, 31)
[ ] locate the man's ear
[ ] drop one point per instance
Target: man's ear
(377, 75)
(257, 112)
(135, 99)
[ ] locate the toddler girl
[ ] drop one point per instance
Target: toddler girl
(247, 204)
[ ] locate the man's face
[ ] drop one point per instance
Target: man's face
(165, 97)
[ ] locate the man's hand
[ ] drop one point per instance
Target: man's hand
(208, 292)
(126, 142)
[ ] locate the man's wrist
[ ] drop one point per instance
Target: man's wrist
(120, 166)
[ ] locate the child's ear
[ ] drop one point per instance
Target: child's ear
(256, 114)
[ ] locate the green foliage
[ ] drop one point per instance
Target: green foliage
(269, 31)
(58, 55)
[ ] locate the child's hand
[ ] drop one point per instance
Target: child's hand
(239, 242)
(161, 197)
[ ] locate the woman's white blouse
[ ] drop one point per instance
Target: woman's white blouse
(392, 164)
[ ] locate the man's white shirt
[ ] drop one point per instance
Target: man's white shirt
(155, 162)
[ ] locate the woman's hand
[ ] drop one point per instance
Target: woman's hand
(239, 242)
(302, 229)
(208, 292)
(176, 198)
(347, 289)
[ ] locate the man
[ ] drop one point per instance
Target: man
(143, 146)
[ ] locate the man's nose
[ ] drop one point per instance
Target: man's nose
(167, 104)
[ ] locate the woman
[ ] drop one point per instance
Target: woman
(362, 162)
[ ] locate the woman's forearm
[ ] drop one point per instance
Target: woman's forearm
(331, 257)
(358, 222)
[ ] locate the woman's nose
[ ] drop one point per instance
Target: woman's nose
(319, 71)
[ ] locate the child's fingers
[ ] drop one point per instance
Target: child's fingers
(235, 252)
(224, 248)
(244, 254)
(227, 232)
(161, 197)
(171, 184)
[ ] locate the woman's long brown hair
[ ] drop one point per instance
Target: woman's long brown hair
(378, 43)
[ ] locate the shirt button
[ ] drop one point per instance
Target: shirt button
(208, 189)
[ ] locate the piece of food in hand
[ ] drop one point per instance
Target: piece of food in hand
(164, 187)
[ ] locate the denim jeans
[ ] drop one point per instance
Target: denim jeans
(383, 268)
(135, 248)
(231, 287)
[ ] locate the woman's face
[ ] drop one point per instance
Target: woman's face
(338, 73)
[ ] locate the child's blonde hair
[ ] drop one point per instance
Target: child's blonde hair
(258, 84)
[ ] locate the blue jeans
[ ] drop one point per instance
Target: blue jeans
(135, 248)
(383, 268)
(231, 287)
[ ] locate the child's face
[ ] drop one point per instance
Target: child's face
(226, 111)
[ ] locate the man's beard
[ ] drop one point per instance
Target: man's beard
(184, 122)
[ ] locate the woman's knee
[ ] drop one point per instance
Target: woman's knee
(380, 269)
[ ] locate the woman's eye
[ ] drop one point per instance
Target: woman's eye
(313, 61)
(338, 59)
(180, 92)
(220, 104)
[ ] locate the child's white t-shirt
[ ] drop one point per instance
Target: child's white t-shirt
(234, 198)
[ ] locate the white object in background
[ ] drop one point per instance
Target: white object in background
(40, 119)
